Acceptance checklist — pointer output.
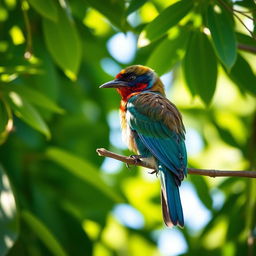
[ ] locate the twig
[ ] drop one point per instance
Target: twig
(247, 48)
(243, 13)
(211, 173)
(230, 9)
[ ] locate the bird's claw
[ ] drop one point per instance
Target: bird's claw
(155, 171)
(136, 158)
(127, 166)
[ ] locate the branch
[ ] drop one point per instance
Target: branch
(247, 48)
(211, 173)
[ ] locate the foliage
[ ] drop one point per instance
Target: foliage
(53, 117)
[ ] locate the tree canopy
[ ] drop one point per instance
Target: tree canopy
(57, 196)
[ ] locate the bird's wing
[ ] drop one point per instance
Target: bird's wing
(159, 126)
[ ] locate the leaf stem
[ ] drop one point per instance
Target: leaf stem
(28, 52)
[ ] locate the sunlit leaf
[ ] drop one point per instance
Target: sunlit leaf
(135, 5)
(202, 190)
(63, 43)
(47, 8)
(166, 19)
(227, 136)
(168, 52)
(8, 214)
(83, 169)
(223, 35)
(37, 98)
(6, 121)
(243, 76)
(26, 112)
(43, 233)
(112, 9)
(200, 67)
(216, 236)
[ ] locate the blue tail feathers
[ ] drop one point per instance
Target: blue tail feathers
(171, 203)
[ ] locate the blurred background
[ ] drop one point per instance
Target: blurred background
(57, 196)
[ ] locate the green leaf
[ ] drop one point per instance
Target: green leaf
(111, 9)
(168, 52)
(227, 136)
(8, 215)
(223, 36)
(3, 116)
(83, 170)
(47, 8)
(26, 112)
(43, 233)
(6, 121)
(63, 43)
(200, 67)
(243, 76)
(202, 190)
(37, 98)
(166, 19)
(250, 4)
(135, 5)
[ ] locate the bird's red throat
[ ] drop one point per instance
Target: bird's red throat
(127, 92)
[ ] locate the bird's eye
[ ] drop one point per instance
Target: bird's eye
(131, 78)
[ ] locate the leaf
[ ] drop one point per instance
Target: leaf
(243, 76)
(226, 136)
(111, 9)
(26, 112)
(168, 52)
(47, 8)
(8, 214)
(6, 121)
(202, 190)
(135, 5)
(81, 169)
(63, 43)
(223, 36)
(166, 19)
(250, 4)
(37, 98)
(43, 233)
(200, 67)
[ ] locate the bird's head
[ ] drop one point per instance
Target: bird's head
(135, 79)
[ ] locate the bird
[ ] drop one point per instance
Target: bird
(152, 127)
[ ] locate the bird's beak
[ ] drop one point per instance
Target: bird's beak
(115, 84)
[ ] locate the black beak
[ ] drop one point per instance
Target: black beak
(114, 84)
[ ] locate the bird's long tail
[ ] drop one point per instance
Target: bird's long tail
(170, 197)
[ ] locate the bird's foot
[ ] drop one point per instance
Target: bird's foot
(155, 171)
(136, 158)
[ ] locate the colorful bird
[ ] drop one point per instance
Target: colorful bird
(152, 127)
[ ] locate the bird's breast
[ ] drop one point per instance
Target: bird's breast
(127, 133)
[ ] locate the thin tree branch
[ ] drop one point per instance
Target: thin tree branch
(247, 48)
(230, 9)
(211, 173)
